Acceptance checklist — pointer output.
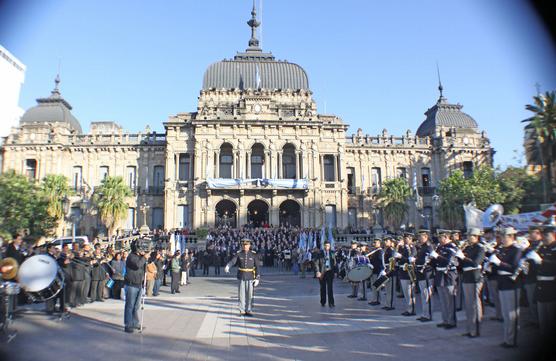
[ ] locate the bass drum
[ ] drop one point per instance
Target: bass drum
(41, 278)
(360, 273)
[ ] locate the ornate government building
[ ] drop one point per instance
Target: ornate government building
(256, 149)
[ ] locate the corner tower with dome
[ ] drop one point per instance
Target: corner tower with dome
(255, 151)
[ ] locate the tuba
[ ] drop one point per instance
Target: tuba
(493, 215)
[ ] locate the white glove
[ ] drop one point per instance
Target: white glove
(434, 254)
(227, 269)
(534, 256)
(382, 273)
(494, 259)
(459, 254)
(397, 255)
(411, 259)
(256, 283)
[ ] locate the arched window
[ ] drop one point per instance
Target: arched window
(226, 160)
(288, 162)
(257, 160)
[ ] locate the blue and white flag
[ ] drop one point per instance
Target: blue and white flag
(302, 244)
(415, 182)
(322, 237)
(312, 240)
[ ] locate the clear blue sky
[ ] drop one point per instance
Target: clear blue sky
(373, 63)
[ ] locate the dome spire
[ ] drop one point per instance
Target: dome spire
(254, 24)
(441, 99)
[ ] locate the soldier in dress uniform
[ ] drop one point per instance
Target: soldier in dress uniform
(377, 261)
(458, 242)
(443, 261)
(491, 240)
(423, 272)
(471, 259)
(390, 286)
(248, 274)
(530, 278)
(352, 254)
(406, 258)
(545, 259)
(506, 262)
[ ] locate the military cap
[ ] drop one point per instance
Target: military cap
(423, 230)
(506, 231)
(456, 231)
(488, 230)
(535, 227)
(443, 231)
(473, 231)
(245, 241)
(548, 229)
(353, 241)
(362, 244)
(377, 238)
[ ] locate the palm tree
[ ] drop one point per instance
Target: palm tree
(541, 134)
(55, 188)
(393, 198)
(110, 199)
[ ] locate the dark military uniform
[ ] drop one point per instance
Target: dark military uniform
(390, 286)
(377, 261)
(98, 280)
(408, 288)
(546, 289)
(472, 283)
(423, 271)
(508, 291)
(325, 264)
(445, 280)
(248, 269)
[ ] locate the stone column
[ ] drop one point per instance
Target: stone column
(217, 164)
(248, 165)
(297, 168)
(279, 166)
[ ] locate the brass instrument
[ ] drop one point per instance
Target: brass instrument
(410, 269)
(12, 267)
(523, 266)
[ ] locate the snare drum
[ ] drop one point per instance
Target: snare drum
(41, 278)
(360, 273)
(9, 288)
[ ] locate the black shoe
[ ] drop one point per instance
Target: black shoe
(178, 291)
(466, 334)
(450, 326)
(242, 314)
(361, 299)
(331, 306)
(352, 296)
(138, 328)
(441, 325)
(420, 318)
(248, 314)
(408, 313)
(374, 303)
(425, 319)
(390, 308)
(323, 304)
(507, 345)
(459, 309)
(128, 330)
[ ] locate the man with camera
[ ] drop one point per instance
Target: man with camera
(134, 279)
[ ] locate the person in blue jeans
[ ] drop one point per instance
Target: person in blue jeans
(159, 262)
(135, 274)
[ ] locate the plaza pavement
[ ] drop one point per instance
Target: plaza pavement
(202, 323)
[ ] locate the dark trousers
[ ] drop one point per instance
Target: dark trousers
(175, 281)
(206, 269)
(86, 288)
(76, 288)
(97, 290)
(51, 304)
(326, 288)
(156, 288)
(217, 270)
(117, 289)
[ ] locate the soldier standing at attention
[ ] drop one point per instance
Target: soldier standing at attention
(248, 274)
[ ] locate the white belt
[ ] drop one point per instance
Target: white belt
(546, 278)
(504, 273)
(441, 268)
(467, 269)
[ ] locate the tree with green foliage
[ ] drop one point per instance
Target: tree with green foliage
(392, 198)
(55, 188)
(482, 188)
(23, 207)
(541, 130)
(110, 199)
(522, 191)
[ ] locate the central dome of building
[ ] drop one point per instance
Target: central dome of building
(254, 69)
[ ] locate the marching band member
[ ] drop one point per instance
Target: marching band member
(377, 261)
(391, 272)
(471, 260)
(325, 267)
(458, 242)
(424, 274)
(491, 239)
(545, 259)
(353, 252)
(407, 259)
(530, 279)
(360, 260)
(443, 260)
(505, 264)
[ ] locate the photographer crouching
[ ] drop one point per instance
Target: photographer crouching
(134, 282)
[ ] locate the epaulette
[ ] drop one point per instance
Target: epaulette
(253, 252)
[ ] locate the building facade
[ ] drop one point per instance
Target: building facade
(256, 150)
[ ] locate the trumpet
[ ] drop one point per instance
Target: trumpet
(524, 266)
